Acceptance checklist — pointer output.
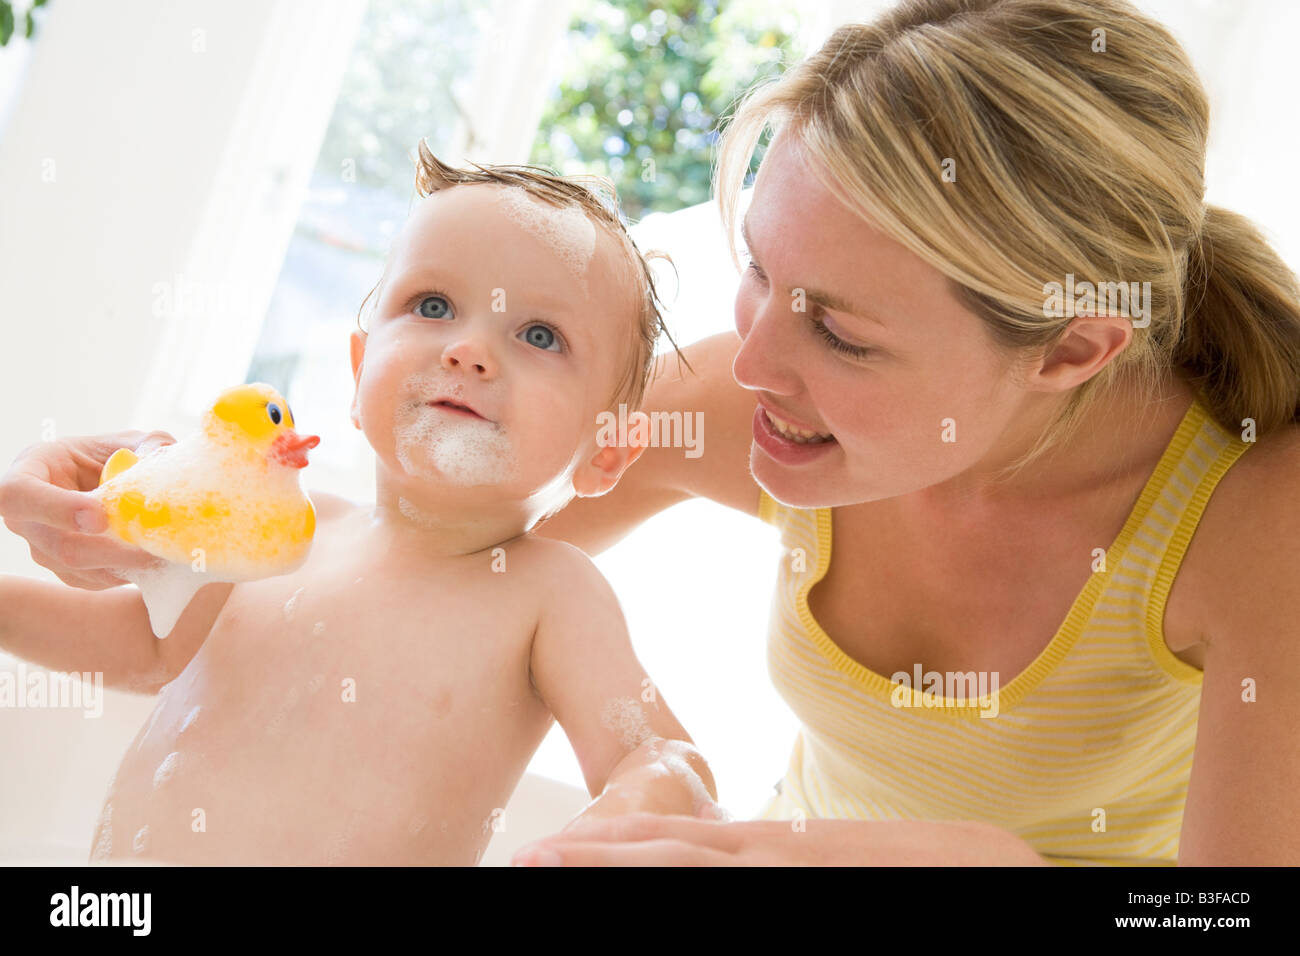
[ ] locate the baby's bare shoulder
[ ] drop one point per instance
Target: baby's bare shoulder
(552, 561)
(544, 553)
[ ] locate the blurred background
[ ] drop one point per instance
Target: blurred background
(195, 193)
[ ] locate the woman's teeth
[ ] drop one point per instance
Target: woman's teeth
(798, 435)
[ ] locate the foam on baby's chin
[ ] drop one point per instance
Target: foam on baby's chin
(568, 230)
(436, 444)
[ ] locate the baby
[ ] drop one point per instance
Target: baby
(379, 704)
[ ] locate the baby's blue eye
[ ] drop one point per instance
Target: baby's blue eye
(541, 336)
(437, 307)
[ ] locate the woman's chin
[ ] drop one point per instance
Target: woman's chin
(807, 486)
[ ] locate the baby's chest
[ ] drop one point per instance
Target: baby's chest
(374, 629)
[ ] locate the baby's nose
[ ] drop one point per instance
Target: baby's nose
(469, 356)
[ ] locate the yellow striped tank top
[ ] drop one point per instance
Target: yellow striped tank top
(1089, 754)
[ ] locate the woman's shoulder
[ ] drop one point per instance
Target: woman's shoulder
(1265, 472)
(1249, 532)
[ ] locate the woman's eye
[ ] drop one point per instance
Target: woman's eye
(434, 307)
(837, 343)
(754, 270)
(273, 410)
(541, 336)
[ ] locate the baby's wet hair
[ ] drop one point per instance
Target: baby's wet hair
(597, 197)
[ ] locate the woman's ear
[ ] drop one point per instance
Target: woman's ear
(358, 347)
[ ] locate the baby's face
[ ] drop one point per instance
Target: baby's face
(515, 311)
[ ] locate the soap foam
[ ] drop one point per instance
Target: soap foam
(141, 841)
(567, 230)
(414, 514)
(624, 716)
(291, 605)
(167, 590)
(681, 769)
(221, 499)
(188, 722)
(434, 443)
(167, 769)
(104, 836)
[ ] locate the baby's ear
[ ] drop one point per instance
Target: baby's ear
(357, 342)
(619, 449)
(358, 347)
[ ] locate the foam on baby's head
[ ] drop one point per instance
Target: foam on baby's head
(566, 229)
(569, 213)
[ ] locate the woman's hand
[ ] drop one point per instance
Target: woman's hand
(643, 839)
(43, 499)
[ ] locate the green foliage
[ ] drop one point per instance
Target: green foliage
(7, 20)
(648, 86)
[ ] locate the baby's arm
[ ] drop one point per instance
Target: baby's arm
(634, 754)
(70, 629)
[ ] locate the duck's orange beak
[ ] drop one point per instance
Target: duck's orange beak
(290, 448)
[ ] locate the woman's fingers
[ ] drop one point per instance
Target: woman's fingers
(87, 580)
(47, 482)
(70, 551)
(649, 853)
(642, 827)
(44, 499)
(29, 495)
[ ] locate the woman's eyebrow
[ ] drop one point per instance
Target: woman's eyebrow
(827, 300)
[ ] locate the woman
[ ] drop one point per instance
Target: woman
(1054, 501)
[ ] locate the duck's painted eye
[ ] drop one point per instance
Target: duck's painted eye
(273, 410)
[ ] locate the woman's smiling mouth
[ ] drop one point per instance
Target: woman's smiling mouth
(794, 432)
(785, 442)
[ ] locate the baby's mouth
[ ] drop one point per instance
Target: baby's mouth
(455, 408)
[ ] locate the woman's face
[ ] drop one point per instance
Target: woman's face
(847, 332)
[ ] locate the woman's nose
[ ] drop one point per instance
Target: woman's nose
(763, 361)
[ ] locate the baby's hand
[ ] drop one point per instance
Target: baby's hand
(614, 802)
(617, 802)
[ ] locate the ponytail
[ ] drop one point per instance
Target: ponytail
(1241, 336)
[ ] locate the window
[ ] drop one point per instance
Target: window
(399, 85)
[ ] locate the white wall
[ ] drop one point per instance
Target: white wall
(121, 130)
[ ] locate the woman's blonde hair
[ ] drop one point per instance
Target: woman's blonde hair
(1076, 131)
